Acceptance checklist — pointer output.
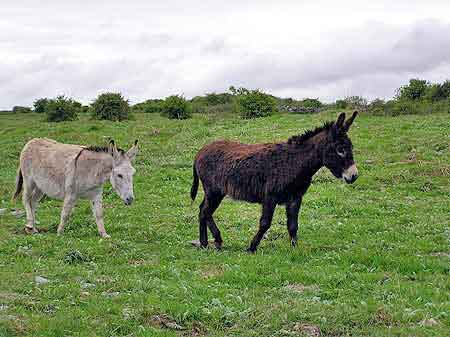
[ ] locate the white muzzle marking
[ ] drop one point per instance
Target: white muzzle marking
(350, 173)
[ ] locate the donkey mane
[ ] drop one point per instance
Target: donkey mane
(298, 139)
(96, 148)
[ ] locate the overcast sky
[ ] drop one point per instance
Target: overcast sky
(147, 49)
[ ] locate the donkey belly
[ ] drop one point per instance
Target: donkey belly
(50, 185)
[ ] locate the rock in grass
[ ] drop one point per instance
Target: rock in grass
(429, 322)
(40, 280)
(18, 213)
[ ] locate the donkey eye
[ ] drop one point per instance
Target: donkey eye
(120, 176)
(340, 152)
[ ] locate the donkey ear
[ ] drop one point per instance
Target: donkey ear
(112, 147)
(340, 121)
(132, 152)
(349, 121)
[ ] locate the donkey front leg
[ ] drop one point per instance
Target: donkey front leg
(264, 224)
(97, 210)
(69, 202)
(292, 210)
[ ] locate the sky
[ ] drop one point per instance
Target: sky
(152, 49)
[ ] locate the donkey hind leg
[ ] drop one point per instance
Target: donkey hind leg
(27, 197)
(203, 230)
(265, 221)
(69, 202)
(292, 210)
(212, 201)
(207, 208)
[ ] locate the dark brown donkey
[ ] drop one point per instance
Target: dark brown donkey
(270, 174)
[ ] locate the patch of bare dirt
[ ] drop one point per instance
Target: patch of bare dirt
(307, 330)
(301, 288)
(382, 317)
(197, 330)
(154, 132)
(163, 321)
(143, 262)
(429, 322)
(211, 271)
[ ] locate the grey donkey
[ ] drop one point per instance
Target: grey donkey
(69, 172)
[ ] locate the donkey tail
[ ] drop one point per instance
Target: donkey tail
(19, 184)
(194, 187)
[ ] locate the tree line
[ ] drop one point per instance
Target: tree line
(418, 96)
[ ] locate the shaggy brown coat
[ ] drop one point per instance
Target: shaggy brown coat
(270, 174)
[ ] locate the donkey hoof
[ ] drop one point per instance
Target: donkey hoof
(251, 250)
(218, 245)
(105, 236)
(198, 244)
(31, 230)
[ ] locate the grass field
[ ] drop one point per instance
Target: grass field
(373, 257)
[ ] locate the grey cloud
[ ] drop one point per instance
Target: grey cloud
(401, 52)
(154, 49)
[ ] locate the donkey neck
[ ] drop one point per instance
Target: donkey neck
(310, 154)
(94, 167)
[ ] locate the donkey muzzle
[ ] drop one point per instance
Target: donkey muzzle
(128, 201)
(350, 174)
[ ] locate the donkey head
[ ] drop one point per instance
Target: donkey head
(338, 155)
(122, 173)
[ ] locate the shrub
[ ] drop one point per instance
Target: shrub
(341, 104)
(176, 107)
(40, 105)
(198, 107)
(409, 107)
(153, 106)
(356, 102)
(218, 99)
(21, 109)
(61, 109)
(111, 106)
(376, 107)
(414, 90)
(311, 103)
(255, 103)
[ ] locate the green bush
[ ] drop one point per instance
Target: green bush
(198, 107)
(218, 99)
(414, 90)
(111, 106)
(313, 103)
(376, 107)
(40, 105)
(21, 109)
(153, 106)
(341, 104)
(176, 107)
(255, 103)
(356, 102)
(61, 109)
(409, 107)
